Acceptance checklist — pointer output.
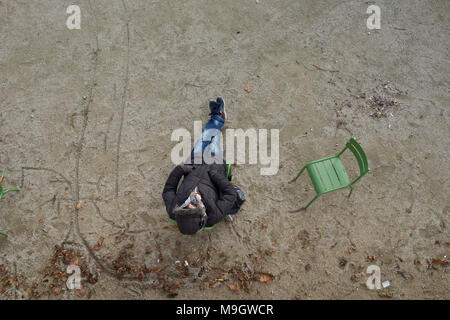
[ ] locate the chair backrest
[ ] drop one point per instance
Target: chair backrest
(360, 156)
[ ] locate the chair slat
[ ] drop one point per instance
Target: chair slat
(324, 176)
(358, 158)
(332, 174)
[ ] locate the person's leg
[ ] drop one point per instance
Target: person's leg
(210, 136)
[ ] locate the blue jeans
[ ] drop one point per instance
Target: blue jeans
(209, 141)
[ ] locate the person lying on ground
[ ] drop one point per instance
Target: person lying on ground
(206, 196)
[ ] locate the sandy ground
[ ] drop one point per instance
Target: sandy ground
(86, 117)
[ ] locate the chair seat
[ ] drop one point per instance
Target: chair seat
(327, 175)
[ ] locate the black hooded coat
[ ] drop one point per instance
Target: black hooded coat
(218, 194)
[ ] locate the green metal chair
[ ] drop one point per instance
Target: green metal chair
(328, 174)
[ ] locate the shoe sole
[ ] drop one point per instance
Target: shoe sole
(224, 111)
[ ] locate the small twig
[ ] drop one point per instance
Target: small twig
(322, 69)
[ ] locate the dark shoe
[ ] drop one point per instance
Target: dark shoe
(218, 107)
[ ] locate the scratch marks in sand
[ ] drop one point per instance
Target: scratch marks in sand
(124, 100)
(64, 179)
(85, 114)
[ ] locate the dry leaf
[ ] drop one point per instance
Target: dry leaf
(80, 293)
(385, 294)
(75, 261)
(248, 89)
(266, 278)
(234, 286)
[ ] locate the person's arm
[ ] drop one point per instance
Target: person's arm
(226, 201)
(170, 188)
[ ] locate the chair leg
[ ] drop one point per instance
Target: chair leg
(8, 190)
(317, 195)
(350, 193)
(295, 179)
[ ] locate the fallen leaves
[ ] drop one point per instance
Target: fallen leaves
(264, 253)
(99, 244)
(122, 264)
(266, 278)
(56, 270)
(342, 262)
(80, 292)
(8, 279)
(176, 284)
(234, 286)
(351, 249)
(440, 261)
(385, 294)
(356, 277)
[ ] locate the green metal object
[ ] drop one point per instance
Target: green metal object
(212, 227)
(328, 174)
(3, 192)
